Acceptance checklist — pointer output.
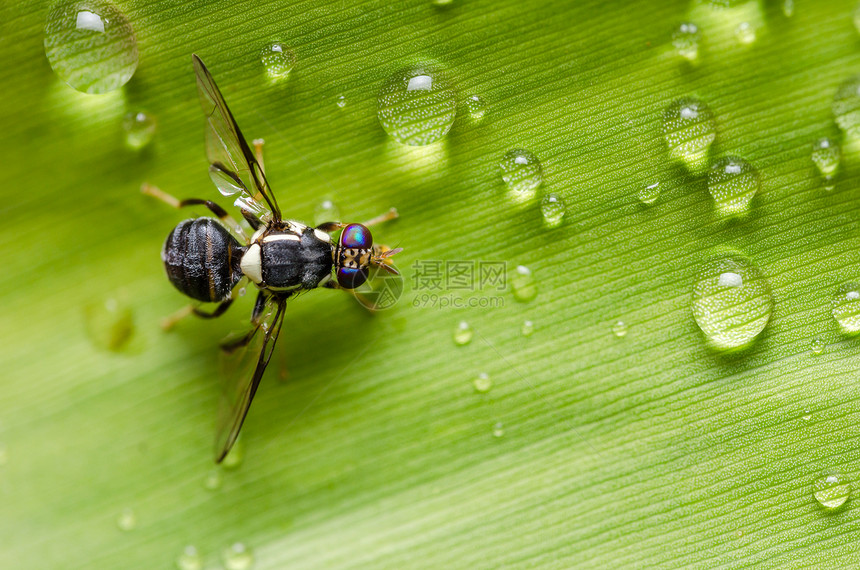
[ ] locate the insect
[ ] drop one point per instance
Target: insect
(206, 259)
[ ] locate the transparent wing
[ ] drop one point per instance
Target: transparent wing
(244, 359)
(232, 165)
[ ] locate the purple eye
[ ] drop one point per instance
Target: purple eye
(350, 278)
(356, 236)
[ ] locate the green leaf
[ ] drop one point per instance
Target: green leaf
(650, 450)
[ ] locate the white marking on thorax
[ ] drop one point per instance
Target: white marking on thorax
(251, 264)
(281, 237)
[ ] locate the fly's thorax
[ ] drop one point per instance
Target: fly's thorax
(288, 256)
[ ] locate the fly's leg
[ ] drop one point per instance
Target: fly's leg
(170, 200)
(332, 226)
(169, 322)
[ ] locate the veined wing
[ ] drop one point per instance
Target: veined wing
(243, 362)
(232, 165)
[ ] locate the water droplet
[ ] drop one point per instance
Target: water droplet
(686, 41)
(552, 209)
(818, 346)
(523, 284)
(341, 101)
(110, 324)
(528, 328)
(826, 155)
(745, 33)
(236, 455)
(846, 307)
(649, 194)
(498, 429)
(482, 383)
(90, 45)
(846, 106)
(463, 333)
(619, 329)
(416, 107)
(739, 533)
(126, 520)
(213, 480)
(139, 129)
(326, 211)
(278, 59)
(807, 415)
(442, 3)
(689, 130)
(237, 557)
(732, 182)
(731, 301)
(475, 107)
(831, 490)
(190, 559)
(788, 8)
(521, 171)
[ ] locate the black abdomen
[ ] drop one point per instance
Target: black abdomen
(202, 259)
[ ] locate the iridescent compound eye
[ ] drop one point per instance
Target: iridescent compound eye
(350, 278)
(356, 236)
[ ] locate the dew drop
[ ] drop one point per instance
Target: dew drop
(528, 328)
(826, 155)
(731, 301)
(235, 456)
(498, 429)
(649, 194)
(139, 129)
(846, 307)
(732, 182)
(110, 324)
(831, 490)
(552, 210)
(523, 284)
(689, 130)
(442, 3)
(482, 383)
(341, 101)
(619, 329)
(326, 211)
(846, 106)
(416, 107)
(213, 480)
(189, 559)
(278, 60)
(817, 346)
(685, 39)
(126, 520)
(90, 45)
(788, 8)
(807, 415)
(745, 33)
(463, 333)
(521, 171)
(475, 107)
(237, 557)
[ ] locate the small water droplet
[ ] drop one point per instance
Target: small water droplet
(689, 130)
(523, 284)
(528, 328)
(326, 211)
(818, 346)
(732, 182)
(213, 480)
(237, 557)
(552, 209)
(278, 60)
(110, 324)
(139, 129)
(788, 8)
(416, 107)
(807, 415)
(90, 45)
(649, 194)
(732, 301)
(826, 155)
(442, 3)
(521, 171)
(463, 333)
(498, 429)
(739, 533)
(475, 107)
(745, 33)
(482, 383)
(686, 41)
(236, 455)
(340, 101)
(189, 559)
(126, 520)
(846, 106)
(846, 307)
(831, 490)
(619, 329)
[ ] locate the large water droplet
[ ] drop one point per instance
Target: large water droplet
(686, 41)
(523, 284)
(189, 559)
(689, 130)
(846, 106)
(552, 210)
(846, 307)
(521, 171)
(731, 301)
(90, 45)
(832, 490)
(826, 155)
(732, 182)
(482, 383)
(649, 194)
(139, 129)
(237, 557)
(278, 59)
(416, 107)
(475, 107)
(463, 333)
(110, 324)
